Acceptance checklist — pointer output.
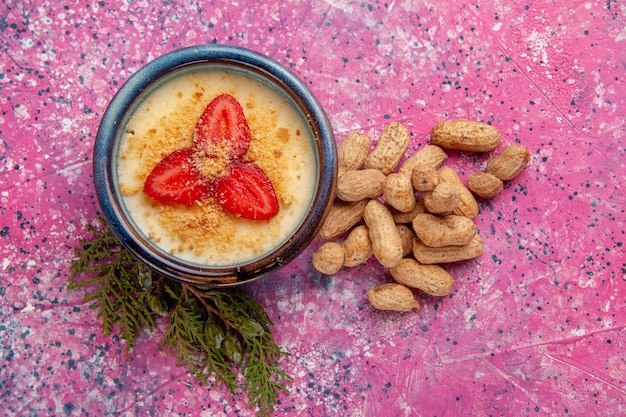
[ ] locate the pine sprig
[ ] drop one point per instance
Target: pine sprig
(218, 332)
(263, 378)
(118, 295)
(187, 339)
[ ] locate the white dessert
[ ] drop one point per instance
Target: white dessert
(281, 144)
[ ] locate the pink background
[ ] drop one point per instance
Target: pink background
(536, 326)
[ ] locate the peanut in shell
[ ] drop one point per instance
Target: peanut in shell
(394, 297)
(466, 135)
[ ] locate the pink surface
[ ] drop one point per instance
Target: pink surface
(536, 326)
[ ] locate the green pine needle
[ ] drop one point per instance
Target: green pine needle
(118, 293)
(219, 332)
(186, 339)
(263, 378)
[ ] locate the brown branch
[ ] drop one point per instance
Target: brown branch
(209, 308)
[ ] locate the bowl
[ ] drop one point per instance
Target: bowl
(154, 113)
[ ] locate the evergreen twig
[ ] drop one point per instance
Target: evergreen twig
(215, 332)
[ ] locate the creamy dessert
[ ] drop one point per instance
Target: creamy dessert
(203, 232)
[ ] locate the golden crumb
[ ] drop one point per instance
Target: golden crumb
(127, 189)
(283, 134)
(211, 165)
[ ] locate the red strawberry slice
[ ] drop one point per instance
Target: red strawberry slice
(245, 190)
(222, 129)
(176, 179)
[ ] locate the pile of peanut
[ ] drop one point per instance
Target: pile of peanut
(415, 216)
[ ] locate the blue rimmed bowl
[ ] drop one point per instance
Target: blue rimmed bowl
(139, 88)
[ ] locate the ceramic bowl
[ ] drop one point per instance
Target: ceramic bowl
(242, 63)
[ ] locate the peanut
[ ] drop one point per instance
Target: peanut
(399, 192)
(357, 247)
(444, 198)
(356, 185)
(407, 236)
(389, 149)
(431, 155)
(465, 135)
(386, 241)
(341, 217)
(484, 185)
(446, 254)
(437, 232)
(509, 163)
(441, 214)
(328, 258)
(401, 218)
(392, 296)
(425, 177)
(352, 151)
(432, 279)
(468, 206)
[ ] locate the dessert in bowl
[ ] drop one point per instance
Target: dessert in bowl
(215, 165)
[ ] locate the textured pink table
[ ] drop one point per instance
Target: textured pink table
(536, 326)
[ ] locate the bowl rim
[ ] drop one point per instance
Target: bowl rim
(125, 100)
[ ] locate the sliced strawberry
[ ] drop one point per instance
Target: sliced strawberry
(176, 179)
(222, 129)
(245, 190)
